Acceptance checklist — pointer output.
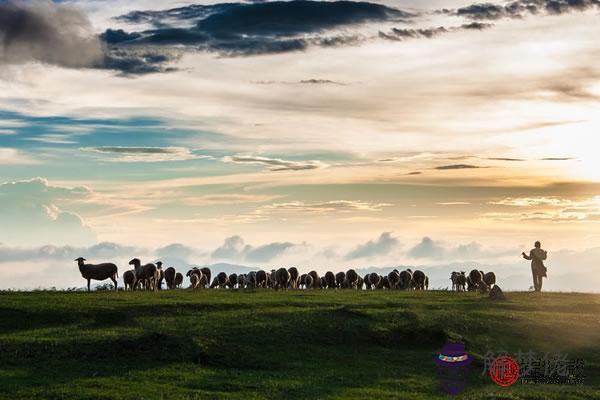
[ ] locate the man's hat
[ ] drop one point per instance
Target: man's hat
(453, 355)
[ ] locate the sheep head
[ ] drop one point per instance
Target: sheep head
(135, 262)
(80, 259)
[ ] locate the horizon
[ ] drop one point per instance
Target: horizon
(324, 135)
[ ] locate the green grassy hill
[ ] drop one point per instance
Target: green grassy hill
(272, 345)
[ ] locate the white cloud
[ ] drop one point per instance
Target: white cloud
(144, 154)
(10, 156)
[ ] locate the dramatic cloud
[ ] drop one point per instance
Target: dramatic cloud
(255, 28)
(379, 247)
(235, 248)
(276, 164)
(47, 32)
(523, 8)
(400, 34)
(30, 214)
(144, 154)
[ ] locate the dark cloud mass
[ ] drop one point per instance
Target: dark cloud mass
(257, 28)
(523, 8)
(46, 32)
(400, 34)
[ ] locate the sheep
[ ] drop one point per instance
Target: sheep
(461, 281)
(241, 280)
(269, 280)
(359, 283)
(302, 280)
(418, 280)
(405, 279)
(161, 275)
(340, 277)
(97, 272)
(453, 277)
(178, 280)
(282, 276)
(374, 280)
(250, 281)
(394, 278)
(308, 281)
(207, 273)
(323, 283)
(170, 277)
(261, 279)
(129, 279)
(329, 280)
(233, 280)
(489, 278)
(294, 275)
(196, 278)
(474, 279)
(385, 283)
(351, 279)
(316, 279)
(220, 280)
(194, 281)
(367, 281)
(147, 273)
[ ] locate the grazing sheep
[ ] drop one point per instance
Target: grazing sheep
(206, 272)
(233, 280)
(194, 281)
(261, 279)
(269, 280)
(405, 279)
(308, 281)
(170, 277)
(474, 279)
(359, 283)
(374, 280)
(394, 279)
(351, 279)
(367, 281)
(241, 281)
(282, 276)
(329, 280)
(340, 278)
(453, 277)
(303, 280)
(250, 281)
(294, 275)
(161, 275)
(221, 280)
(461, 281)
(178, 280)
(385, 283)
(196, 278)
(316, 279)
(496, 293)
(489, 278)
(483, 288)
(418, 280)
(97, 272)
(129, 279)
(148, 273)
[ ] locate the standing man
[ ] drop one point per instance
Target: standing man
(538, 270)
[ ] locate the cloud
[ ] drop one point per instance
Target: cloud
(523, 8)
(250, 29)
(400, 34)
(457, 166)
(46, 32)
(9, 156)
(427, 249)
(532, 202)
(557, 159)
(235, 248)
(100, 251)
(435, 250)
(276, 164)
(144, 154)
(379, 247)
(30, 214)
(505, 159)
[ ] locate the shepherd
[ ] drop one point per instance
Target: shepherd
(538, 269)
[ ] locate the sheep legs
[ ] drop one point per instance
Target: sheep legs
(115, 282)
(89, 284)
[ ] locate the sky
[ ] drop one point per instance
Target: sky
(326, 135)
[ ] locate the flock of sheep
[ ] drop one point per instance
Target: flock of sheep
(151, 276)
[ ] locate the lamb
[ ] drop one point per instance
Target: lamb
(418, 280)
(340, 277)
(329, 280)
(147, 273)
(394, 278)
(294, 275)
(405, 279)
(282, 276)
(97, 272)
(129, 279)
(170, 277)
(178, 280)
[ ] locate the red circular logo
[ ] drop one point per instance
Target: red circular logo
(504, 371)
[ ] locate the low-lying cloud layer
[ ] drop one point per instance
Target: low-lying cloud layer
(275, 164)
(523, 8)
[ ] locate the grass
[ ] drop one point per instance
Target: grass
(273, 345)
